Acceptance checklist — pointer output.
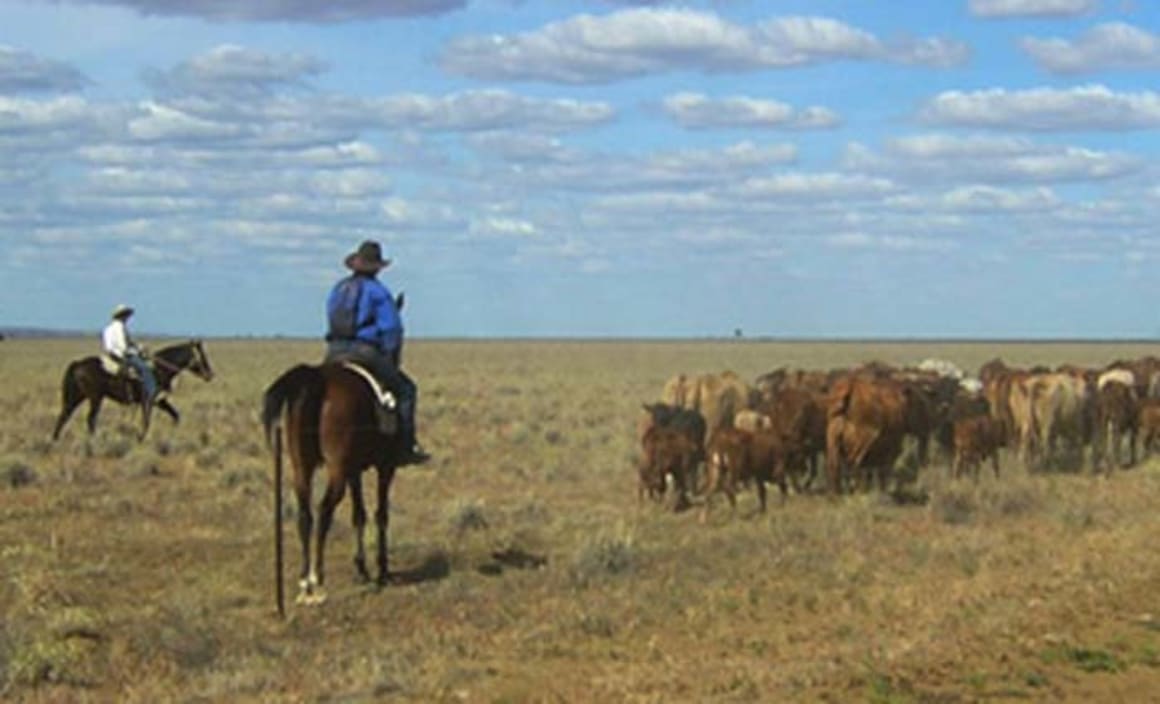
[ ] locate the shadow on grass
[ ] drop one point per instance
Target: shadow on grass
(433, 568)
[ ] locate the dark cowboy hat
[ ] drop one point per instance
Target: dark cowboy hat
(368, 259)
(122, 311)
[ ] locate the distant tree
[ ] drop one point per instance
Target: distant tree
(737, 333)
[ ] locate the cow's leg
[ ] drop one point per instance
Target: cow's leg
(358, 519)
(382, 516)
(759, 486)
(995, 460)
(1132, 430)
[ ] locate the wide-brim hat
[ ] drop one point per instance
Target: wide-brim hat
(122, 311)
(368, 259)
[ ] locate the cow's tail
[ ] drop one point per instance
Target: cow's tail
(284, 390)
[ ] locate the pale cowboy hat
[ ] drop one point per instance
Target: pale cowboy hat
(368, 259)
(122, 311)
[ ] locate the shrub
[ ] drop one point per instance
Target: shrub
(466, 515)
(17, 474)
(604, 555)
(955, 504)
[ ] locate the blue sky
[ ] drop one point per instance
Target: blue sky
(838, 168)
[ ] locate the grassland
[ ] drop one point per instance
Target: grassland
(141, 572)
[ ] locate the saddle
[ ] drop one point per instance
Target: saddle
(114, 367)
(385, 397)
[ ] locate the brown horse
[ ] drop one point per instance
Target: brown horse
(86, 379)
(329, 419)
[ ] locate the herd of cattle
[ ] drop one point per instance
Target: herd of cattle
(714, 432)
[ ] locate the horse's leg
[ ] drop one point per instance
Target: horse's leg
(335, 488)
(94, 409)
(302, 479)
(382, 517)
(71, 397)
(164, 405)
(358, 517)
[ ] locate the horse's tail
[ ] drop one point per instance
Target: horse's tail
(284, 390)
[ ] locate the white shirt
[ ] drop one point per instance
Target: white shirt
(115, 339)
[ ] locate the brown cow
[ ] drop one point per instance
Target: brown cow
(865, 426)
(799, 416)
(1148, 423)
(736, 456)
(976, 438)
(1116, 415)
(667, 453)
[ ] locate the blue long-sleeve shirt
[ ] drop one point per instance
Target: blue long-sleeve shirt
(377, 320)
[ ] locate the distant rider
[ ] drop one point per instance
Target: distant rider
(120, 346)
(364, 326)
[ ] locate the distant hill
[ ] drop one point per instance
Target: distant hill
(26, 333)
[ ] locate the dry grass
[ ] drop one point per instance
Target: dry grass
(141, 572)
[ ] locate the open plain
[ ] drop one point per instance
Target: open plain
(527, 569)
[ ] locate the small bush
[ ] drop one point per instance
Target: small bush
(466, 515)
(955, 504)
(17, 474)
(604, 555)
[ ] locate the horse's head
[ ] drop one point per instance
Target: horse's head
(198, 361)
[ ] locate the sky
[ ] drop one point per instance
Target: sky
(597, 168)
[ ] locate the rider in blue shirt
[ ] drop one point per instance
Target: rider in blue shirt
(364, 326)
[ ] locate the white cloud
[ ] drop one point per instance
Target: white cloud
(306, 11)
(635, 42)
(160, 122)
(989, 199)
(698, 111)
(814, 186)
(1114, 45)
(1030, 8)
(503, 227)
(23, 72)
(234, 69)
(945, 158)
(891, 243)
(1090, 107)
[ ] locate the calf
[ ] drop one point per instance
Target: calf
(976, 438)
(667, 453)
(1148, 423)
(736, 456)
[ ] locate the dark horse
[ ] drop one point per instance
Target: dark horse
(329, 419)
(87, 379)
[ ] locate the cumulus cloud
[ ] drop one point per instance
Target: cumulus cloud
(980, 198)
(639, 41)
(944, 158)
(23, 72)
(573, 170)
(236, 70)
(893, 243)
(698, 111)
(1090, 107)
(304, 11)
(1114, 45)
(1030, 8)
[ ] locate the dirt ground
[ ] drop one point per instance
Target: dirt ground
(527, 570)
